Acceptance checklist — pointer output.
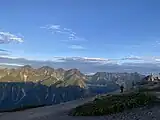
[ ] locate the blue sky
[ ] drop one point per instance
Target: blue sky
(108, 29)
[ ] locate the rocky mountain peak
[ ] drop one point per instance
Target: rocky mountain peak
(60, 70)
(46, 68)
(27, 67)
(73, 71)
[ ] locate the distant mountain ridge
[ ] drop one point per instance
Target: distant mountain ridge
(60, 77)
(44, 75)
(44, 86)
(103, 78)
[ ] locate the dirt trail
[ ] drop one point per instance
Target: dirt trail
(55, 112)
(43, 113)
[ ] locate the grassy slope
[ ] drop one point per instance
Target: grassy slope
(113, 104)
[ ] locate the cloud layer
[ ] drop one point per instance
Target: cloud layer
(76, 47)
(6, 37)
(69, 33)
(90, 65)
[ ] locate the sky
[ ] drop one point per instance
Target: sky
(97, 31)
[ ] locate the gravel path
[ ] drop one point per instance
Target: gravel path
(44, 113)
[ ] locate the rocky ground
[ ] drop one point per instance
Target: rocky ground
(136, 114)
(59, 112)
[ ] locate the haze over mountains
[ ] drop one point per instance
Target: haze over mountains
(89, 65)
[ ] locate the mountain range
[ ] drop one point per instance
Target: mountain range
(44, 86)
(44, 75)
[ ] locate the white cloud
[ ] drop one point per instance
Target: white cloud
(158, 60)
(142, 59)
(94, 59)
(158, 42)
(69, 33)
(51, 27)
(103, 61)
(2, 53)
(118, 61)
(6, 37)
(132, 57)
(11, 64)
(77, 47)
(66, 29)
(57, 27)
(81, 59)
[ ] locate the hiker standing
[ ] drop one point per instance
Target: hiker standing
(121, 87)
